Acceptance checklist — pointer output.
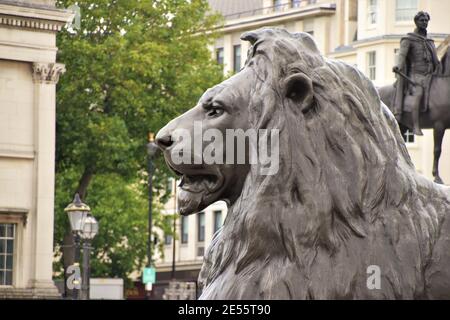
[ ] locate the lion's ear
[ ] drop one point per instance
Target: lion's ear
(299, 88)
(250, 36)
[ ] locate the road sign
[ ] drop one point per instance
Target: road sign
(149, 275)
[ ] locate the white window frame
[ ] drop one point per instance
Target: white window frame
(296, 4)
(215, 215)
(277, 5)
(372, 65)
(168, 238)
(14, 254)
(409, 138)
(237, 58)
(405, 13)
(199, 225)
(184, 223)
(220, 52)
(372, 12)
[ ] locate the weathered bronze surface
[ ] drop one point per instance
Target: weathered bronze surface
(346, 198)
(421, 96)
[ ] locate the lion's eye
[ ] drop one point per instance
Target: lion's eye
(214, 112)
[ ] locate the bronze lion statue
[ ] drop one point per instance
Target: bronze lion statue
(345, 198)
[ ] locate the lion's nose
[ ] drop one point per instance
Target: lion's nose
(163, 141)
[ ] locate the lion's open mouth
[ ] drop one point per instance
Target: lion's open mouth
(199, 187)
(194, 182)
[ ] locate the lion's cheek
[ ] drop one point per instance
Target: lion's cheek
(188, 202)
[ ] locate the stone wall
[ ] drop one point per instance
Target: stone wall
(28, 77)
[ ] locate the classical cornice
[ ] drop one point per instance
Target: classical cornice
(18, 15)
(393, 38)
(20, 22)
(47, 72)
(383, 39)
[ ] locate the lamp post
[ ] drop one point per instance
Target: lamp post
(83, 226)
(174, 228)
(90, 230)
(152, 151)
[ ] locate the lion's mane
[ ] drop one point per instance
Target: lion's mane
(346, 195)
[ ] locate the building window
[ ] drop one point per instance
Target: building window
(295, 3)
(372, 65)
(405, 10)
(167, 239)
(409, 137)
(217, 220)
(200, 251)
(219, 55)
(372, 11)
(7, 236)
(184, 229)
(201, 227)
(169, 186)
(237, 58)
(277, 5)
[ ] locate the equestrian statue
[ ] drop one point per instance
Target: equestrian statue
(420, 98)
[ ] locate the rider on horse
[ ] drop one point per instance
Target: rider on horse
(416, 64)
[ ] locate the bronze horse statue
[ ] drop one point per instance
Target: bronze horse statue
(437, 116)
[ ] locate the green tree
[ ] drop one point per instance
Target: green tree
(131, 67)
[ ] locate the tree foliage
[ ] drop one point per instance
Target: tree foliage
(131, 67)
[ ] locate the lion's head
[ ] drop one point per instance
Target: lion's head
(321, 115)
(221, 108)
(342, 161)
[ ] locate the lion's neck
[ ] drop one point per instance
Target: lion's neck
(268, 249)
(247, 247)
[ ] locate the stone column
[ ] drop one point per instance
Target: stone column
(227, 54)
(45, 77)
(244, 50)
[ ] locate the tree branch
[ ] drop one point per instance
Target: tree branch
(84, 182)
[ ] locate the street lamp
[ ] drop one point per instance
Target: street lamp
(90, 230)
(77, 212)
(85, 227)
(152, 151)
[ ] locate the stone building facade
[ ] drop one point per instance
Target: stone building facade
(28, 77)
